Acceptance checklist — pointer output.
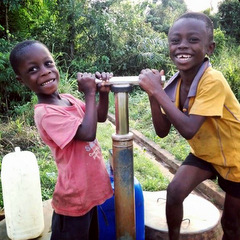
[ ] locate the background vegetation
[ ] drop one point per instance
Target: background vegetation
(121, 36)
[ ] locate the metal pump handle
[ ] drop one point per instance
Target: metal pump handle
(132, 80)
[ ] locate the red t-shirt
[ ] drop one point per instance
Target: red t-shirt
(83, 181)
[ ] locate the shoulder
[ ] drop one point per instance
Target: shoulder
(42, 108)
(72, 99)
(213, 74)
(41, 111)
(67, 95)
(212, 78)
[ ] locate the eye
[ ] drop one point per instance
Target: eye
(193, 40)
(49, 63)
(32, 69)
(174, 40)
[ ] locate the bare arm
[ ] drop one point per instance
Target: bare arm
(160, 122)
(187, 125)
(102, 107)
(87, 129)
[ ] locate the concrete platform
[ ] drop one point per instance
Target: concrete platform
(47, 210)
(201, 218)
(203, 215)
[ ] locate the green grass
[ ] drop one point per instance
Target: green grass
(140, 118)
(147, 173)
(18, 133)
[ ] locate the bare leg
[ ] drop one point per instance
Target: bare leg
(184, 181)
(231, 218)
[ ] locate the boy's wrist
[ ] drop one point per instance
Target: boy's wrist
(90, 93)
(103, 93)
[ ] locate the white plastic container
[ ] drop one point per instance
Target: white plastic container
(22, 197)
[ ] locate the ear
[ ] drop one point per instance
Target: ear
(18, 78)
(210, 49)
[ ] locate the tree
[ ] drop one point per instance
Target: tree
(135, 45)
(162, 13)
(229, 18)
(7, 8)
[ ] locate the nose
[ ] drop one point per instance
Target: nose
(183, 44)
(45, 71)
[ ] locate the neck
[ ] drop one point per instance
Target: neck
(189, 75)
(49, 99)
(187, 78)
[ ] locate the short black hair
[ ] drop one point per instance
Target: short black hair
(18, 50)
(202, 17)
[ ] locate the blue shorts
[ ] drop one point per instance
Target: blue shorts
(75, 228)
(231, 188)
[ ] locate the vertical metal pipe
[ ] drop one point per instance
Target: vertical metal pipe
(121, 113)
(123, 167)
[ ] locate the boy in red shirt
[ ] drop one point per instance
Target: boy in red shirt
(68, 126)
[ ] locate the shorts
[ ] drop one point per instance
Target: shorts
(231, 188)
(75, 228)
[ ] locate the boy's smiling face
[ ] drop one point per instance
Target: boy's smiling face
(189, 42)
(37, 70)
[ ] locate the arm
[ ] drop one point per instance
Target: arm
(160, 121)
(186, 125)
(87, 129)
(102, 107)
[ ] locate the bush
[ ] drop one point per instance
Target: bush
(228, 63)
(18, 134)
(12, 93)
(220, 40)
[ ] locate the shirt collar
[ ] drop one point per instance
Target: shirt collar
(172, 84)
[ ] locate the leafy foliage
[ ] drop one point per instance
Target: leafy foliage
(110, 35)
(221, 42)
(12, 93)
(162, 13)
(147, 173)
(229, 18)
(86, 36)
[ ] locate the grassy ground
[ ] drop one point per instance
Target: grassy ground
(18, 133)
(140, 119)
(149, 176)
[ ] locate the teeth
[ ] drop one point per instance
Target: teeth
(45, 83)
(183, 56)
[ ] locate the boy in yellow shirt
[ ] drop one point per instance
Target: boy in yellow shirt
(199, 103)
